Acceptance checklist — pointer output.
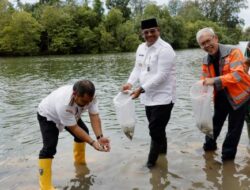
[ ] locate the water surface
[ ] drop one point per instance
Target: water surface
(25, 81)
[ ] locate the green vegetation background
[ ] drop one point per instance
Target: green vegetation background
(78, 27)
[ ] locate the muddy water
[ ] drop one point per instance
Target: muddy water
(25, 81)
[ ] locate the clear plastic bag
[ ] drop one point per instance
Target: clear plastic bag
(125, 113)
(201, 102)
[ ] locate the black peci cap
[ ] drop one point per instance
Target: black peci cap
(149, 23)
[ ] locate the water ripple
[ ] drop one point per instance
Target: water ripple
(25, 81)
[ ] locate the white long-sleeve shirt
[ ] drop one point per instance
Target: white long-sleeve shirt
(155, 70)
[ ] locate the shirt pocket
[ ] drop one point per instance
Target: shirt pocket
(152, 63)
(140, 61)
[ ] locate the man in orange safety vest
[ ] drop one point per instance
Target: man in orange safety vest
(223, 68)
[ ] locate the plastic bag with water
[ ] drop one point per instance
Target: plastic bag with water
(125, 113)
(201, 102)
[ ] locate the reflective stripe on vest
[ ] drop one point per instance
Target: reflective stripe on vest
(235, 64)
(237, 76)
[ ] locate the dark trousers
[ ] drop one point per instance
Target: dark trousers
(222, 109)
(158, 117)
(50, 135)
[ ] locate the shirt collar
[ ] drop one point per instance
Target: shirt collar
(224, 50)
(156, 44)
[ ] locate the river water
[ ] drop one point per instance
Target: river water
(25, 81)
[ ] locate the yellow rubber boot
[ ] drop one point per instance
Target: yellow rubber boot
(45, 180)
(79, 153)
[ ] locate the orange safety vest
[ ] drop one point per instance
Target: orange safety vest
(233, 79)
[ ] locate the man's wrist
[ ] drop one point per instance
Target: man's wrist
(92, 142)
(99, 136)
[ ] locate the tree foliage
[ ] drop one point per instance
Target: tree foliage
(122, 5)
(21, 35)
(50, 2)
(246, 34)
(224, 12)
(137, 6)
(60, 29)
(174, 7)
(5, 12)
(190, 12)
(73, 26)
(127, 37)
(98, 9)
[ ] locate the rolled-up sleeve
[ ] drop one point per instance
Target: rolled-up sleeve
(93, 107)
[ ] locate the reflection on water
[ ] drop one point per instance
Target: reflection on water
(228, 175)
(82, 179)
(159, 179)
(25, 81)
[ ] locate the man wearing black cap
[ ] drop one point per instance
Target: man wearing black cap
(155, 70)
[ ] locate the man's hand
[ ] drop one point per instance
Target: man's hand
(105, 143)
(136, 93)
(208, 81)
(126, 87)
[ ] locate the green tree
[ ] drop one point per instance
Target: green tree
(246, 34)
(194, 27)
(60, 29)
(122, 5)
(72, 26)
(137, 6)
(127, 38)
(106, 40)
(50, 2)
(6, 9)
(131, 42)
(19, 4)
(232, 35)
(180, 33)
(224, 12)
(21, 36)
(174, 7)
(151, 10)
(113, 19)
(166, 25)
(71, 2)
(85, 16)
(190, 12)
(87, 41)
(98, 8)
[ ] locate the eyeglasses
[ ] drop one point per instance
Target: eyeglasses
(207, 42)
(151, 31)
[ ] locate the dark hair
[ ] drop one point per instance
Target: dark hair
(83, 87)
